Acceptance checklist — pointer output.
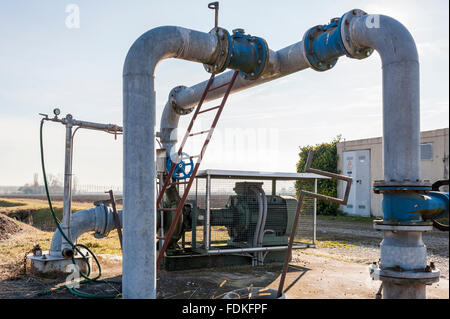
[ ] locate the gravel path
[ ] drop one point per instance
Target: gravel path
(364, 243)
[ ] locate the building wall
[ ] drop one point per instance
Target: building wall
(431, 170)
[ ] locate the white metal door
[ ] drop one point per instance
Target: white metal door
(356, 164)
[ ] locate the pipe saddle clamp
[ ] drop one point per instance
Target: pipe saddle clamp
(242, 52)
(324, 44)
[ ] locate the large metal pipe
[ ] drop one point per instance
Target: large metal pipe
(139, 246)
(283, 62)
(99, 219)
(356, 35)
(402, 247)
(286, 61)
(66, 248)
(401, 103)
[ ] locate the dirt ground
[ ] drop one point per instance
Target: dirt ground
(336, 269)
(8, 227)
(363, 243)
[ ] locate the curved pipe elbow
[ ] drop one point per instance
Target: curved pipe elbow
(386, 35)
(168, 128)
(169, 42)
(99, 219)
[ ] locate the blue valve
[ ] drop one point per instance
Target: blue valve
(183, 169)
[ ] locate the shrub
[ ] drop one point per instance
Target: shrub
(326, 159)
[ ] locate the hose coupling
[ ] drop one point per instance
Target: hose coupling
(67, 253)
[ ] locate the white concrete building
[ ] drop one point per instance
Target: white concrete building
(362, 159)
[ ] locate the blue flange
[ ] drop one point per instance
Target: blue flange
(249, 54)
(323, 45)
(241, 52)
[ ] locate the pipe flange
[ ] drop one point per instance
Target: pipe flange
(101, 221)
(406, 185)
(173, 102)
(353, 51)
(249, 55)
(397, 275)
(389, 225)
(224, 48)
(262, 60)
(314, 62)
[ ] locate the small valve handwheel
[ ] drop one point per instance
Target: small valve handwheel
(183, 168)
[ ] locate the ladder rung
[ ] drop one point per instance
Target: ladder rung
(218, 87)
(186, 157)
(198, 133)
(167, 209)
(210, 109)
(178, 183)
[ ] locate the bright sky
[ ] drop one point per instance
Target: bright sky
(45, 64)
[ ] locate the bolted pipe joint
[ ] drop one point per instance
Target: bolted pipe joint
(324, 44)
(173, 101)
(243, 52)
(411, 203)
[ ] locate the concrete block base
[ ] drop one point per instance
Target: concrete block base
(51, 266)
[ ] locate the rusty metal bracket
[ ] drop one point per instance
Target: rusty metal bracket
(302, 194)
(215, 6)
(116, 217)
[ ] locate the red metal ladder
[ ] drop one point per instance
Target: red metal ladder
(168, 182)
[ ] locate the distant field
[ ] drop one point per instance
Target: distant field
(75, 198)
(36, 212)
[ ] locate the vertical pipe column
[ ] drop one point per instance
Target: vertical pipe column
(401, 97)
(139, 205)
(315, 213)
(207, 217)
(403, 254)
(139, 246)
(66, 249)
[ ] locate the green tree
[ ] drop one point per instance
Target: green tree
(326, 159)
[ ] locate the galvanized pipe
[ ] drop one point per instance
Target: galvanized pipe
(283, 62)
(400, 116)
(99, 219)
(401, 99)
(402, 248)
(252, 249)
(66, 248)
(286, 61)
(139, 246)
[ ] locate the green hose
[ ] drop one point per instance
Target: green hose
(86, 277)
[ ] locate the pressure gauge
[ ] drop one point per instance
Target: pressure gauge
(56, 111)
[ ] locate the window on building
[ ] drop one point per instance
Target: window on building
(426, 151)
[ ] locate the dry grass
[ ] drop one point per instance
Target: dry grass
(14, 248)
(9, 205)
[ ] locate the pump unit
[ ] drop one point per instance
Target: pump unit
(231, 220)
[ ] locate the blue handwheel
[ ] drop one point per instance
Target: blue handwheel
(184, 167)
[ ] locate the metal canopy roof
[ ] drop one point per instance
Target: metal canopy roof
(220, 173)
